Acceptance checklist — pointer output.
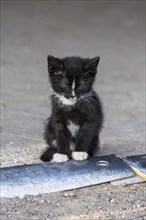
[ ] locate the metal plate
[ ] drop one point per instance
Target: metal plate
(42, 178)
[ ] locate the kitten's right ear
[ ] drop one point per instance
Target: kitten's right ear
(93, 63)
(54, 65)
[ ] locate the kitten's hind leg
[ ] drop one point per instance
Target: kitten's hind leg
(48, 154)
(50, 138)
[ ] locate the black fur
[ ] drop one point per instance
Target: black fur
(86, 112)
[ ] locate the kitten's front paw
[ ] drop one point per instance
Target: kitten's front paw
(79, 155)
(60, 158)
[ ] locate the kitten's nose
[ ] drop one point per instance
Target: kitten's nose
(72, 96)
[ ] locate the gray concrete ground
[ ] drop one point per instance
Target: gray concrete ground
(115, 30)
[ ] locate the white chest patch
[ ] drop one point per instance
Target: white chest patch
(73, 128)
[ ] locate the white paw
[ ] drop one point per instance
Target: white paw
(79, 155)
(60, 158)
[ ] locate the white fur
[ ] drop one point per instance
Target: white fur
(73, 84)
(79, 155)
(58, 73)
(72, 146)
(66, 101)
(73, 87)
(60, 158)
(54, 143)
(73, 128)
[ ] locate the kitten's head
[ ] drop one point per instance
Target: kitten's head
(72, 77)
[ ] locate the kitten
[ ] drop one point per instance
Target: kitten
(72, 131)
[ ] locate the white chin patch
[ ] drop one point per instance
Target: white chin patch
(60, 158)
(65, 101)
(79, 155)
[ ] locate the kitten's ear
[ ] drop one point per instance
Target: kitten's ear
(54, 65)
(93, 63)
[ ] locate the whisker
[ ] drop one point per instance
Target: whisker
(87, 101)
(92, 99)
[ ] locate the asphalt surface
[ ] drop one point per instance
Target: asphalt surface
(113, 30)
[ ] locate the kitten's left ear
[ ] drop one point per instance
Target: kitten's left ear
(54, 64)
(93, 63)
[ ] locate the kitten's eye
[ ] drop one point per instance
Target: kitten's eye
(81, 86)
(64, 85)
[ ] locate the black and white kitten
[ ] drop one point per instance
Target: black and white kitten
(72, 131)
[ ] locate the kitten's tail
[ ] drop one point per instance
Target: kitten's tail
(48, 154)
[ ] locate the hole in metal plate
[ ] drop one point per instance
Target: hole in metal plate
(102, 163)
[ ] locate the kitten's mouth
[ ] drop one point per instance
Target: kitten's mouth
(73, 98)
(70, 97)
(69, 100)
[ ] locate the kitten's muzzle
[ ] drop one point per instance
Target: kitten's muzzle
(72, 97)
